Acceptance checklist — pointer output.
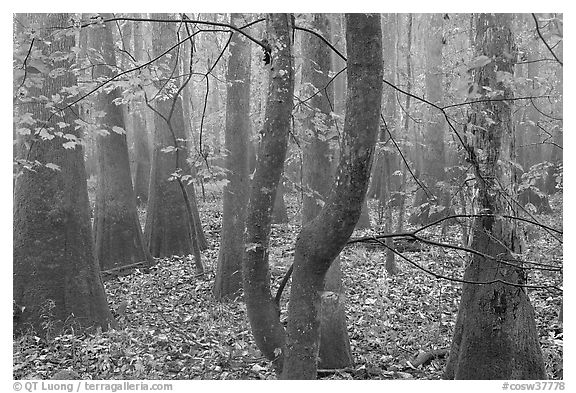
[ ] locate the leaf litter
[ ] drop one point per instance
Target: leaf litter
(171, 327)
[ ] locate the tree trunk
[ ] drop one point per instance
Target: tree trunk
(339, 41)
(170, 225)
(364, 220)
(191, 139)
(141, 145)
(409, 84)
(321, 240)
(434, 160)
(262, 311)
(495, 335)
(117, 231)
(228, 281)
(280, 213)
(334, 341)
(53, 255)
(387, 157)
(433, 157)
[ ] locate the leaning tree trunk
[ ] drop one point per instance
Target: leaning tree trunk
(262, 311)
(334, 342)
(321, 240)
(495, 335)
(170, 225)
(53, 255)
(117, 231)
(228, 281)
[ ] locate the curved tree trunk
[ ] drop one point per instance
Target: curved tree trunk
(53, 255)
(117, 231)
(228, 281)
(334, 341)
(495, 335)
(321, 240)
(262, 311)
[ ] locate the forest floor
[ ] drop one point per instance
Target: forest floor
(170, 326)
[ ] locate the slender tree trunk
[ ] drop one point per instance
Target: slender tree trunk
(387, 158)
(141, 145)
(260, 306)
(228, 281)
(495, 335)
(364, 220)
(321, 240)
(280, 213)
(334, 341)
(191, 140)
(434, 160)
(433, 166)
(339, 41)
(53, 255)
(409, 83)
(117, 231)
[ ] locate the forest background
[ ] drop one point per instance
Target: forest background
(6, 167)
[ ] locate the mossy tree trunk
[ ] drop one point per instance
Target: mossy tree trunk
(321, 240)
(334, 342)
(53, 253)
(495, 335)
(262, 311)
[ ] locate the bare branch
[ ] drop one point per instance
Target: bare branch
(544, 41)
(441, 276)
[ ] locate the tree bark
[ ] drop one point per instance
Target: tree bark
(321, 240)
(495, 335)
(228, 281)
(334, 342)
(117, 231)
(262, 311)
(53, 254)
